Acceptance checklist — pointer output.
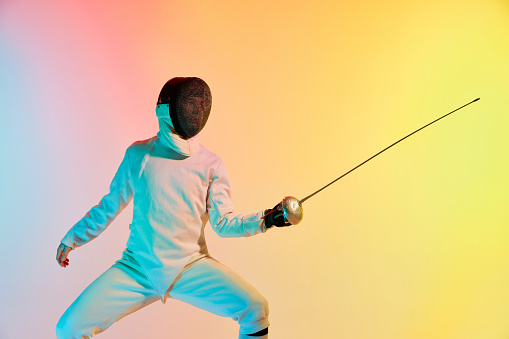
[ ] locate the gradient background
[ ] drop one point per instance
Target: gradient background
(412, 245)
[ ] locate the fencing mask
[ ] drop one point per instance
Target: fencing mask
(189, 101)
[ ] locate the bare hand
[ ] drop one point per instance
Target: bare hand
(62, 253)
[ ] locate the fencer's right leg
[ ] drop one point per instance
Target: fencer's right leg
(212, 286)
(119, 291)
(263, 334)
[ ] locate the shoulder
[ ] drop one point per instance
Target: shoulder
(210, 156)
(211, 160)
(141, 144)
(206, 152)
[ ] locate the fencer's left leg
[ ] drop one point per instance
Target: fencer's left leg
(211, 286)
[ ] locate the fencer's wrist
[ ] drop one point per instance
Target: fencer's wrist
(267, 220)
(275, 217)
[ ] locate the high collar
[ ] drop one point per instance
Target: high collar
(172, 140)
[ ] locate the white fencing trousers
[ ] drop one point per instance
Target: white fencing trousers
(124, 289)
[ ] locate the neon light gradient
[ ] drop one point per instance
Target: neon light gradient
(411, 245)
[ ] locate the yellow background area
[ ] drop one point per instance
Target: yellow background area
(411, 245)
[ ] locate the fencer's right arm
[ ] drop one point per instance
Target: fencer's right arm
(223, 219)
(100, 216)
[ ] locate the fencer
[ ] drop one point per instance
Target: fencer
(177, 186)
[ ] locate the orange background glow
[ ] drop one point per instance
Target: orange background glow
(413, 244)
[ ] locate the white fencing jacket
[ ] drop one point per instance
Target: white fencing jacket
(174, 197)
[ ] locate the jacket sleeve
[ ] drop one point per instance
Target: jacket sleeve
(102, 215)
(223, 219)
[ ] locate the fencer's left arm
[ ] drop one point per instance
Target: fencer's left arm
(223, 219)
(102, 215)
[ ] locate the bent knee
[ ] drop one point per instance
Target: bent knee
(260, 305)
(256, 315)
(256, 307)
(64, 329)
(68, 327)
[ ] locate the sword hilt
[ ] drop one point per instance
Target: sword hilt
(292, 210)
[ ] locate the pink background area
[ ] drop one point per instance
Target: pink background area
(411, 245)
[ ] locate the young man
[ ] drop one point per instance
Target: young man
(176, 186)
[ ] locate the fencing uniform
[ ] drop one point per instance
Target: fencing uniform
(176, 186)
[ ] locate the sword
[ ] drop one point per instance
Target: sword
(292, 207)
